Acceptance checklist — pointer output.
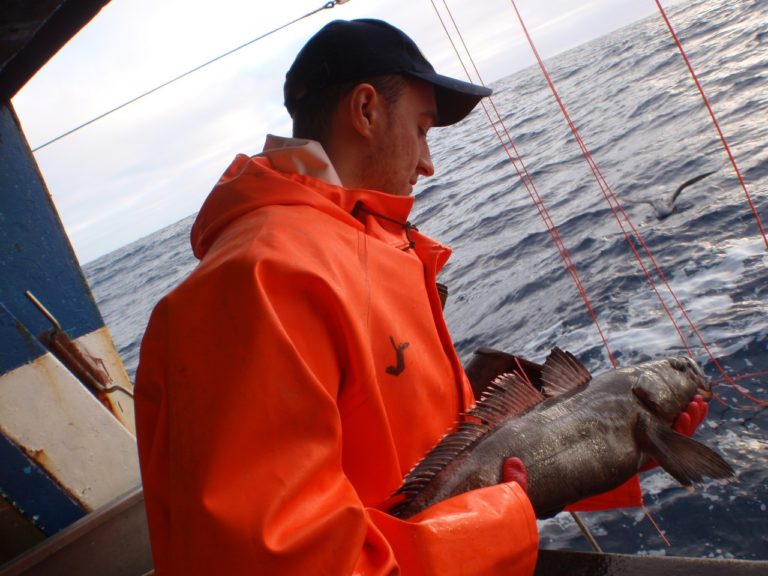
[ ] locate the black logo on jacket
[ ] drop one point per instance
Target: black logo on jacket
(399, 366)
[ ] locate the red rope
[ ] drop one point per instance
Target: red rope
(661, 532)
(616, 208)
(714, 121)
(512, 153)
(607, 191)
(762, 374)
(609, 195)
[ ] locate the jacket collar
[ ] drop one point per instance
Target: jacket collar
(251, 183)
(300, 156)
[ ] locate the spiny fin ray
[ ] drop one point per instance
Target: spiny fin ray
(562, 372)
(508, 395)
(451, 445)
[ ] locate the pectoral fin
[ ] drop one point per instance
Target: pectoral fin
(685, 459)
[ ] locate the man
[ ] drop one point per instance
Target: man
(287, 386)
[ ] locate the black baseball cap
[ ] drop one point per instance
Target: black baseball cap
(344, 51)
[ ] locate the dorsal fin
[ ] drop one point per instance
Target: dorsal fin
(444, 452)
(508, 395)
(562, 373)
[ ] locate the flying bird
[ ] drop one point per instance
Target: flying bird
(666, 207)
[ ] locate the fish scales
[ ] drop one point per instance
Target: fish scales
(578, 437)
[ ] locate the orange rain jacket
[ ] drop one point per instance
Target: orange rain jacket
(287, 386)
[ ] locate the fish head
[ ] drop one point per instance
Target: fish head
(665, 387)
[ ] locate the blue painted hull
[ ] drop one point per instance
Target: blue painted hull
(66, 441)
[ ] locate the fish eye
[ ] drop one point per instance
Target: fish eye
(680, 364)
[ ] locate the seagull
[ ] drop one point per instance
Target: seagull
(664, 208)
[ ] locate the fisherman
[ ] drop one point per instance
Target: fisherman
(287, 386)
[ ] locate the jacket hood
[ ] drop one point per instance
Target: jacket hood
(251, 183)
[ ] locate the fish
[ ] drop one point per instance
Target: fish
(578, 436)
(666, 207)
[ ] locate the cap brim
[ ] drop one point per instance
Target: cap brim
(455, 99)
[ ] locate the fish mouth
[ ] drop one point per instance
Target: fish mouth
(691, 368)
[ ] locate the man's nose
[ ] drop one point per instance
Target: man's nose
(425, 166)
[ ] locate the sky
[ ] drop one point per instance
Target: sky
(152, 163)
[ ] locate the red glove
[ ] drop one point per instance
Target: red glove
(686, 422)
(513, 470)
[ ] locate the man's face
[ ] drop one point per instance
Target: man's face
(400, 153)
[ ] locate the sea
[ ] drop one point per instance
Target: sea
(646, 126)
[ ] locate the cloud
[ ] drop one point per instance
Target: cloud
(152, 163)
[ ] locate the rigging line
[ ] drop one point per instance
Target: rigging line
(725, 376)
(662, 276)
(601, 182)
(714, 120)
(538, 203)
(327, 6)
(732, 382)
(525, 178)
(610, 197)
(554, 232)
(608, 193)
(746, 375)
(529, 184)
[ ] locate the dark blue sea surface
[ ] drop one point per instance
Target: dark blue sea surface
(635, 104)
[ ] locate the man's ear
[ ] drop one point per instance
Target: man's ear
(365, 109)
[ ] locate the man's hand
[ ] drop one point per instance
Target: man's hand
(686, 423)
(513, 470)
